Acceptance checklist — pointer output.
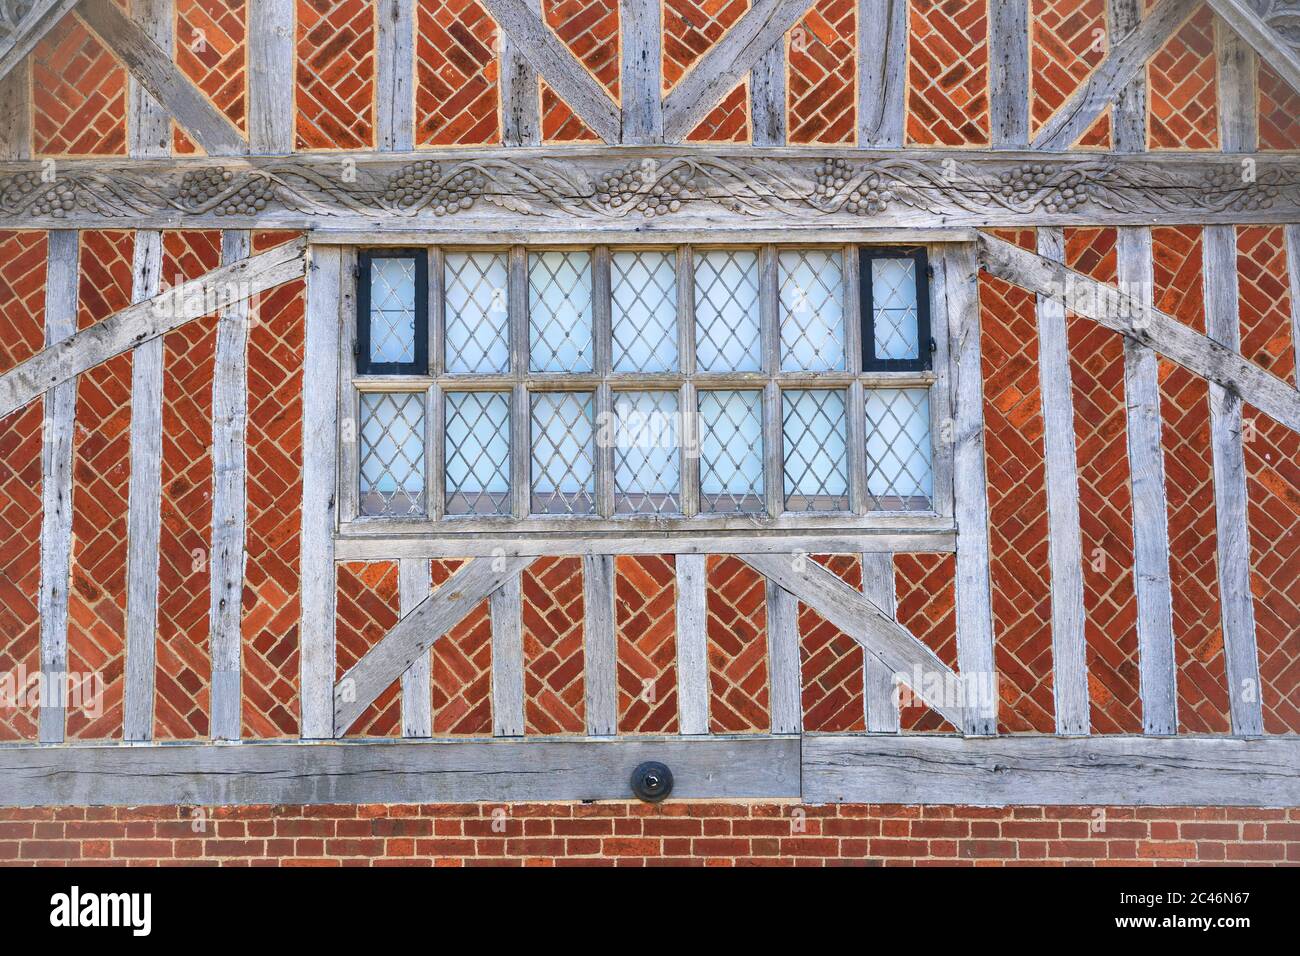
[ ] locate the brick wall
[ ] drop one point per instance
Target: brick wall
(637, 834)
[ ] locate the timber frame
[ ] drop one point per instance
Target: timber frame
(770, 192)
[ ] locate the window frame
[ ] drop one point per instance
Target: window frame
(925, 344)
(420, 364)
(519, 383)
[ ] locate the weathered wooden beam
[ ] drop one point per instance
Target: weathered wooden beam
(413, 586)
(578, 192)
(600, 645)
(1009, 72)
(1269, 29)
(767, 97)
(442, 771)
(271, 81)
(1092, 771)
(538, 44)
(415, 633)
(784, 674)
(1118, 310)
(882, 72)
(726, 63)
(1124, 61)
(862, 620)
(521, 120)
(1293, 270)
(144, 502)
(506, 609)
(1152, 584)
(229, 501)
(1128, 116)
(61, 286)
(23, 35)
(1236, 601)
(692, 645)
(156, 72)
(878, 689)
(1065, 534)
(394, 75)
(641, 37)
(147, 320)
(149, 125)
(16, 114)
(974, 593)
(320, 481)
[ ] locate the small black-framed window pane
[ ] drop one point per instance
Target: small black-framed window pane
(895, 309)
(393, 312)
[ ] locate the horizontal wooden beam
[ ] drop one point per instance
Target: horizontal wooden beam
(147, 320)
(1265, 34)
(580, 188)
(19, 38)
(1133, 317)
(1087, 771)
(460, 771)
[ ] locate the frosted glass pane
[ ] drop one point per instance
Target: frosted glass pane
(559, 311)
(475, 297)
(812, 310)
(899, 474)
(893, 302)
(392, 453)
(816, 451)
(477, 453)
(731, 451)
(646, 453)
(563, 453)
(726, 311)
(644, 314)
(392, 310)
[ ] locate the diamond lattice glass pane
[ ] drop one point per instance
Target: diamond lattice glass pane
(731, 451)
(899, 475)
(392, 454)
(392, 310)
(478, 453)
(475, 286)
(812, 310)
(644, 290)
(559, 311)
(646, 448)
(893, 306)
(563, 453)
(816, 452)
(726, 311)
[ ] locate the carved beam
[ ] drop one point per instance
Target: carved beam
(1272, 27)
(639, 190)
(23, 24)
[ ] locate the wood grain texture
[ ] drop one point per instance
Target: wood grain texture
(1009, 73)
(600, 646)
(506, 608)
(154, 70)
(1281, 56)
(521, 121)
(641, 37)
(394, 75)
(229, 500)
(692, 645)
(1148, 326)
(413, 586)
(767, 110)
(878, 680)
(459, 771)
(38, 21)
(1121, 65)
(786, 702)
(1293, 272)
(1128, 116)
(1125, 771)
(137, 324)
(149, 124)
(882, 72)
(271, 59)
(16, 114)
(56, 481)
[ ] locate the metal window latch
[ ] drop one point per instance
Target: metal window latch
(934, 346)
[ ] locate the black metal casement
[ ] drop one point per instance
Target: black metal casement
(419, 365)
(871, 362)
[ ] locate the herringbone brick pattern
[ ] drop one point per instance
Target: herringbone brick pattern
(821, 81)
(336, 74)
(455, 74)
(1182, 97)
(1063, 52)
(271, 599)
(365, 609)
(1279, 111)
(1264, 292)
(1273, 515)
(78, 94)
(589, 28)
(925, 589)
(1105, 499)
(22, 334)
(1013, 435)
(691, 28)
(212, 50)
(101, 471)
(1189, 486)
(462, 670)
(645, 609)
(183, 663)
(736, 601)
(831, 661)
(948, 82)
(554, 689)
